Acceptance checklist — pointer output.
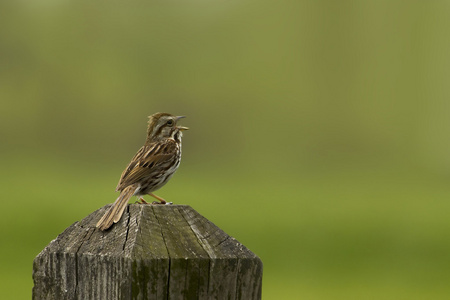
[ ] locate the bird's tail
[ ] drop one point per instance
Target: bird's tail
(115, 212)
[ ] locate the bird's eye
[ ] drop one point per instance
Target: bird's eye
(170, 122)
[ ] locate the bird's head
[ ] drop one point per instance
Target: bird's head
(163, 126)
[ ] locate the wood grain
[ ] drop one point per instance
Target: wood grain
(154, 252)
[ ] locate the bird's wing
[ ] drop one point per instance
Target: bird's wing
(145, 161)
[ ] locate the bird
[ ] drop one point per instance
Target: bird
(150, 168)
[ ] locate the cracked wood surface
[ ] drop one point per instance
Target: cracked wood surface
(153, 252)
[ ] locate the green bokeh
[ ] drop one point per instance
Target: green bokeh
(319, 131)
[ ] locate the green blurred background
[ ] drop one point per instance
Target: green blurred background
(319, 131)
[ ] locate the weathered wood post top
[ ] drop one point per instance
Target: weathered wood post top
(154, 252)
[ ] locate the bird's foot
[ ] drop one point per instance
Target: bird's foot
(162, 203)
(141, 201)
(161, 200)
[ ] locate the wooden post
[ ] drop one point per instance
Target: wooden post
(154, 252)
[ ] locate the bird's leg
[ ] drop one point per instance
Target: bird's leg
(141, 201)
(162, 201)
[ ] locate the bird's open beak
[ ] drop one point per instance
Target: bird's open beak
(181, 127)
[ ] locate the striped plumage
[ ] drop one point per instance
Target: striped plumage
(152, 166)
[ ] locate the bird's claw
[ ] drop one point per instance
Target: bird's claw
(161, 203)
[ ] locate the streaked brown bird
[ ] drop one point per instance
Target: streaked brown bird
(152, 166)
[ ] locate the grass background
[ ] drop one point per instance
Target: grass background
(319, 131)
